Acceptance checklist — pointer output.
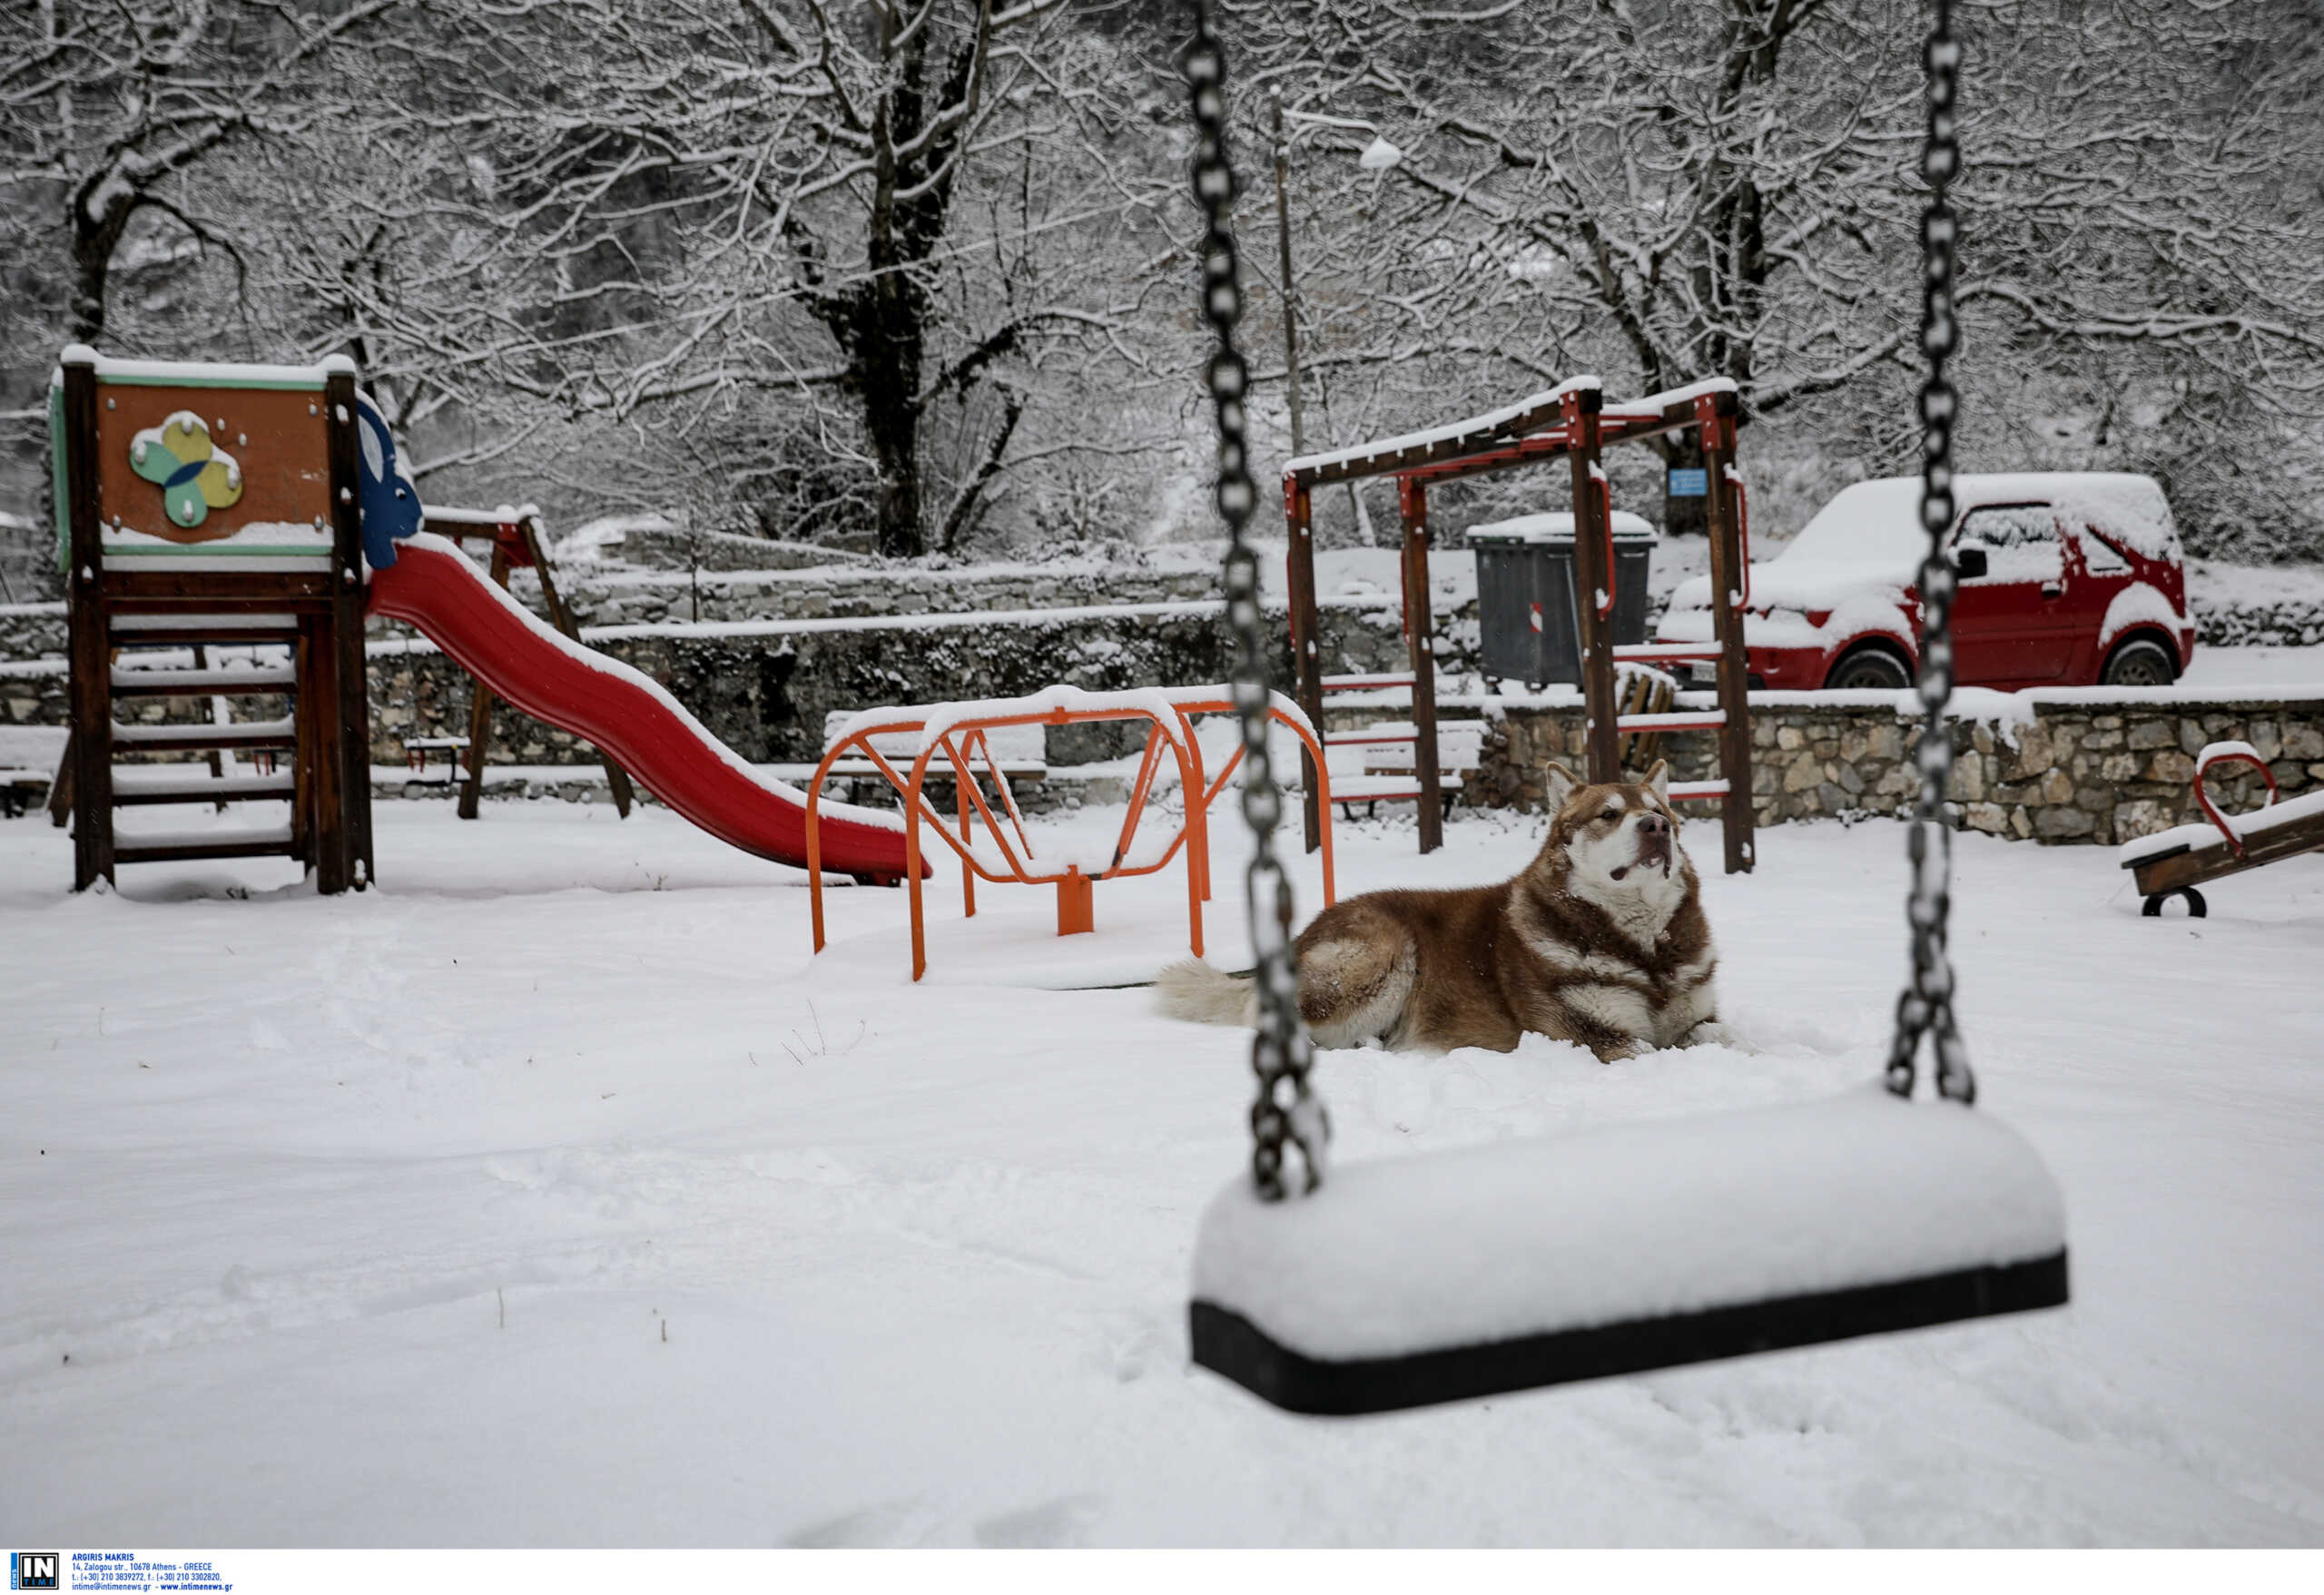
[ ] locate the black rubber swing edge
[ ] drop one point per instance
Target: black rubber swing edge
(1227, 1344)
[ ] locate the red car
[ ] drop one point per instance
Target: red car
(2067, 578)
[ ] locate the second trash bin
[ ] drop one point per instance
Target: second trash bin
(1531, 631)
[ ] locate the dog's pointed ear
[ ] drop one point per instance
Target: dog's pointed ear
(1560, 785)
(1658, 780)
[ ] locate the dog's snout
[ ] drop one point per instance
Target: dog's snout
(1653, 824)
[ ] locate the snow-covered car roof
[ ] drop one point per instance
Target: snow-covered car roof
(1870, 534)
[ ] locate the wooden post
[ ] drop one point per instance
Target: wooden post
(527, 525)
(480, 708)
(215, 759)
(1420, 642)
(1593, 574)
(1716, 424)
(327, 854)
(92, 645)
(349, 746)
(1307, 646)
(306, 807)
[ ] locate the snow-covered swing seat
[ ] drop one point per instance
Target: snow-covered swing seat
(1461, 1274)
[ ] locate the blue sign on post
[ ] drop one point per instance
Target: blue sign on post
(1694, 484)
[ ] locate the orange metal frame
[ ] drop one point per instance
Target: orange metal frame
(963, 744)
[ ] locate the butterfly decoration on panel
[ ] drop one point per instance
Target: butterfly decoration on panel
(195, 475)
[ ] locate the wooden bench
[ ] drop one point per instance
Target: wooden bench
(1389, 749)
(1021, 752)
(29, 757)
(417, 749)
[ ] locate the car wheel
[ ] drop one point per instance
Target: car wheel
(1869, 670)
(2141, 662)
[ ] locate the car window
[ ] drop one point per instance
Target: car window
(2100, 556)
(2020, 540)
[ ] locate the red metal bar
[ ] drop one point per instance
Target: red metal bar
(1540, 446)
(976, 796)
(1137, 791)
(2203, 797)
(967, 877)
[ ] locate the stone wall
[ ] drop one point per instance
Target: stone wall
(32, 631)
(2292, 622)
(2090, 767)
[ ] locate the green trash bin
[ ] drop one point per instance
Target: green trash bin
(1530, 630)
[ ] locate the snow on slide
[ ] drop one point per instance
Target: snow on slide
(628, 714)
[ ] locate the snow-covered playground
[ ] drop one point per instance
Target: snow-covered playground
(551, 1193)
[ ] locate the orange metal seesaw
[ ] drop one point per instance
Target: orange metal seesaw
(957, 732)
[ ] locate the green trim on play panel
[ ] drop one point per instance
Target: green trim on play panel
(139, 380)
(217, 551)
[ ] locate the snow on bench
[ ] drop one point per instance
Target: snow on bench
(1459, 748)
(37, 748)
(1022, 751)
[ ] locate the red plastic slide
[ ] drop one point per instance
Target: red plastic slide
(629, 715)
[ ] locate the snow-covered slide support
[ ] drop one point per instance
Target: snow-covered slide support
(1409, 1281)
(2172, 863)
(628, 714)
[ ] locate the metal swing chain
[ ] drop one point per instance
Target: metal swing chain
(1926, 1006)
(1285, 1110)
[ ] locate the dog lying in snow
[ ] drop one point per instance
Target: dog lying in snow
(1600, 940)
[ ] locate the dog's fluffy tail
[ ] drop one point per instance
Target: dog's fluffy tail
(1191, 989)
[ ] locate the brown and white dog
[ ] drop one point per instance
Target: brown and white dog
(1601, 941)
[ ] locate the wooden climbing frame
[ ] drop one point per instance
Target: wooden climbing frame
(1574, 422)
(215, 504)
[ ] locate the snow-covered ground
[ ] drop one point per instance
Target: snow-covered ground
(2269, 667)
(792, 1252)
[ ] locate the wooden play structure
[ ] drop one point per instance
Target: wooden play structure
(205, 505)
(2174, 862)
(215, 510)
(262, 508)
(906, 744)
(1573, 422)
(516, 537)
